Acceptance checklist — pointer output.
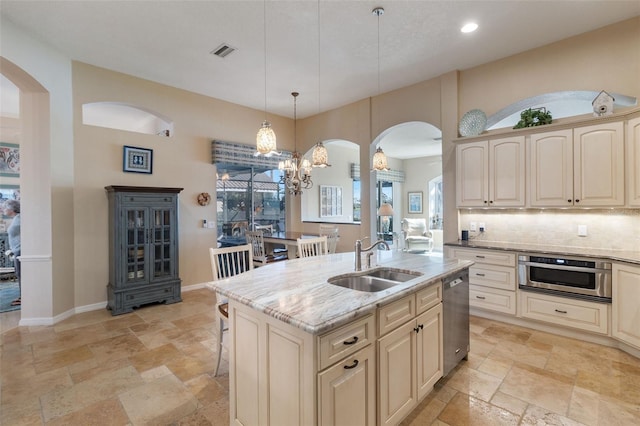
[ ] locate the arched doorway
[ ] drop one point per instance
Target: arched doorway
(36, 205)
(414, 153)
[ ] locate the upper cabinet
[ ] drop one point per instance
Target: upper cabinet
(584, 162)
(581, 167)
(633, 162)
(491, 173)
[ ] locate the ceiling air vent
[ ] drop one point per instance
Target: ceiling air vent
(223, 50)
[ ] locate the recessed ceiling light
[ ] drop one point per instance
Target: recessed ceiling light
(469, 28)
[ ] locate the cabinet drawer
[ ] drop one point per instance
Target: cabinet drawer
(575, 313)
(428, 297)
(492, 257)
(346, 340)
(395, 314)
(501, 277)
(155, 199)
(492, 299)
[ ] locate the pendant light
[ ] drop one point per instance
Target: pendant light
(297, 169)
(320, 156)
(379, 159)
(266, 137)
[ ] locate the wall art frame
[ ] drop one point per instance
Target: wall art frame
(137, 160)
(9, 159)
(330, 201)
(415, 202)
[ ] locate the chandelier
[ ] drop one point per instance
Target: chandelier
(297, 169)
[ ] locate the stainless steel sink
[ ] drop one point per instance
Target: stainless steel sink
(373, 280)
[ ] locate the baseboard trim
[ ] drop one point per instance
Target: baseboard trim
(27, 322)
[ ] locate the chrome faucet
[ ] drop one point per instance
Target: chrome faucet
(360, 250)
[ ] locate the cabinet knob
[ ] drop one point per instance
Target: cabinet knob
(350, 342)
(485, 201)
(491, 202)
(354, 365)
(568, 201)
(577, 201)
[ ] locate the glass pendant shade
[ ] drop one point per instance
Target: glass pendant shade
(320, 156)
(380, 161)
(266, 139)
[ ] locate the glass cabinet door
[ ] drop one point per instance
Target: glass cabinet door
(136, 240)
(161, 230)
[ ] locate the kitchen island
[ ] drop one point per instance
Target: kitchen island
(303, 351)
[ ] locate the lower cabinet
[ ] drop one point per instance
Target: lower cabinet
(410, 362)
(346, 391)
(574, 313)
(626, 304)
(280, 375)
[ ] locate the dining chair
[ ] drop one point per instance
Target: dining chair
(227, 262)
(308, 247)
(260, 256)
(331, 232)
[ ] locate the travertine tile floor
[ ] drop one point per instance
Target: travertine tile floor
(155, 367)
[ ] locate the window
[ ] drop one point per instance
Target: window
(436, 209)
(247, 197)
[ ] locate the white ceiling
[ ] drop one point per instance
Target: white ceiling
(169, 41)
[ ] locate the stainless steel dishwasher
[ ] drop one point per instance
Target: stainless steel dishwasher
(455, 307)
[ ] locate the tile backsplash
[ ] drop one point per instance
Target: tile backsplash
(614, 229)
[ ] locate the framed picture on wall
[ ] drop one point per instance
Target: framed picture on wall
(9, 159)
(137, 160)
(415, 202)
(330, 201)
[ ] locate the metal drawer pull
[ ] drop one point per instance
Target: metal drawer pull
(480, 297)
(560, 312)
(354, 365)
(480, 275)
(351, 342)
(480, 257)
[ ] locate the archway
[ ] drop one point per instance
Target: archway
(414, 154)
(36, 205)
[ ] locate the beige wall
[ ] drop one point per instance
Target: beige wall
(85, 161)
(182, 160)
(605, 59)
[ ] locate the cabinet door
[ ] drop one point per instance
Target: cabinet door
(507, 172)
(429, 345)
(472, 174)
(397, 374)
(347, 391)
(551, 169)
(162, 243)
(625, 306)
(598, 165)
(136, 250)
(633, 162)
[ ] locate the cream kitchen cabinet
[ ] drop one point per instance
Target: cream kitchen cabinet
(277, 367)
(633, 162)
(491, 173)
(410, 357)
(625, 304)
(492, 279)
(581, 167)
(564, 311)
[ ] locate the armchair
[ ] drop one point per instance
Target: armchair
(416, 235)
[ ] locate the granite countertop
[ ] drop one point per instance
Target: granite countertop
(297, 292)
(610, 254)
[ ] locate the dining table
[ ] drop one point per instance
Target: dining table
(289, 239)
